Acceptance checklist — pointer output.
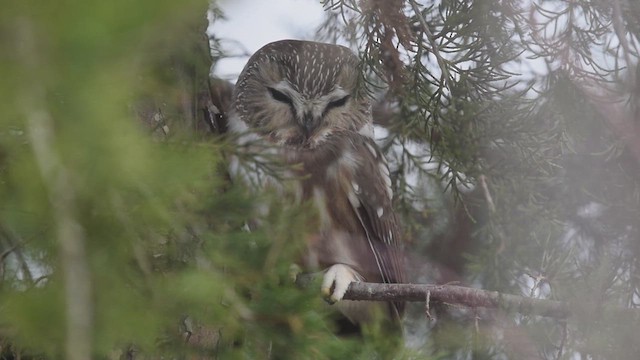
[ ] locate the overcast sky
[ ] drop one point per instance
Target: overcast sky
(254, 23)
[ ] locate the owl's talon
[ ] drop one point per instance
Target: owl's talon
(336, 282)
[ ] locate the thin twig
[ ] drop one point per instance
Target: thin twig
(487, 193)
(434, 47)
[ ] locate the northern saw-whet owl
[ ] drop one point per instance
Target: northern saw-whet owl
(303, 98)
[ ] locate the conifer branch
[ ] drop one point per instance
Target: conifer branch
(446, 77)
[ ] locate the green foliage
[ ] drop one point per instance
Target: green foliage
(73, 68)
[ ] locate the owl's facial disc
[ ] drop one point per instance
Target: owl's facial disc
(309, 112)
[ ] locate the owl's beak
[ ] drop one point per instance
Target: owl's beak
(309, 124)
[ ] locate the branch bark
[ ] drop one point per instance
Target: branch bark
(458, 295)
(471, 298)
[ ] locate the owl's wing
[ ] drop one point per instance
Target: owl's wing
(371, 199)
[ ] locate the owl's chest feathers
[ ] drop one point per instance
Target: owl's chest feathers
(326, 175)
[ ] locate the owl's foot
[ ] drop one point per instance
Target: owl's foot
(336, 282)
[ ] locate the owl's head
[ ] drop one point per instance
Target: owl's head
(298, 93)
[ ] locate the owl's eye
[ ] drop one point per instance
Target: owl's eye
(280, 96)
(336, 103)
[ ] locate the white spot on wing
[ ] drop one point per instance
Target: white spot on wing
(380, 211)
(384, 170)
(356, 187)
(353, 199)
(389, 191)
(386, 178)
(372, 150)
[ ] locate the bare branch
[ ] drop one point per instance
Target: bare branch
(450, 294)
(459, 295)
(487, 193)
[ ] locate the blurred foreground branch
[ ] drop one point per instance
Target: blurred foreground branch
(62, 197)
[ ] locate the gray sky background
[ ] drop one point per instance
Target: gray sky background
(254, 23)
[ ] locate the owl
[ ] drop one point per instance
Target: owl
(303, 99)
